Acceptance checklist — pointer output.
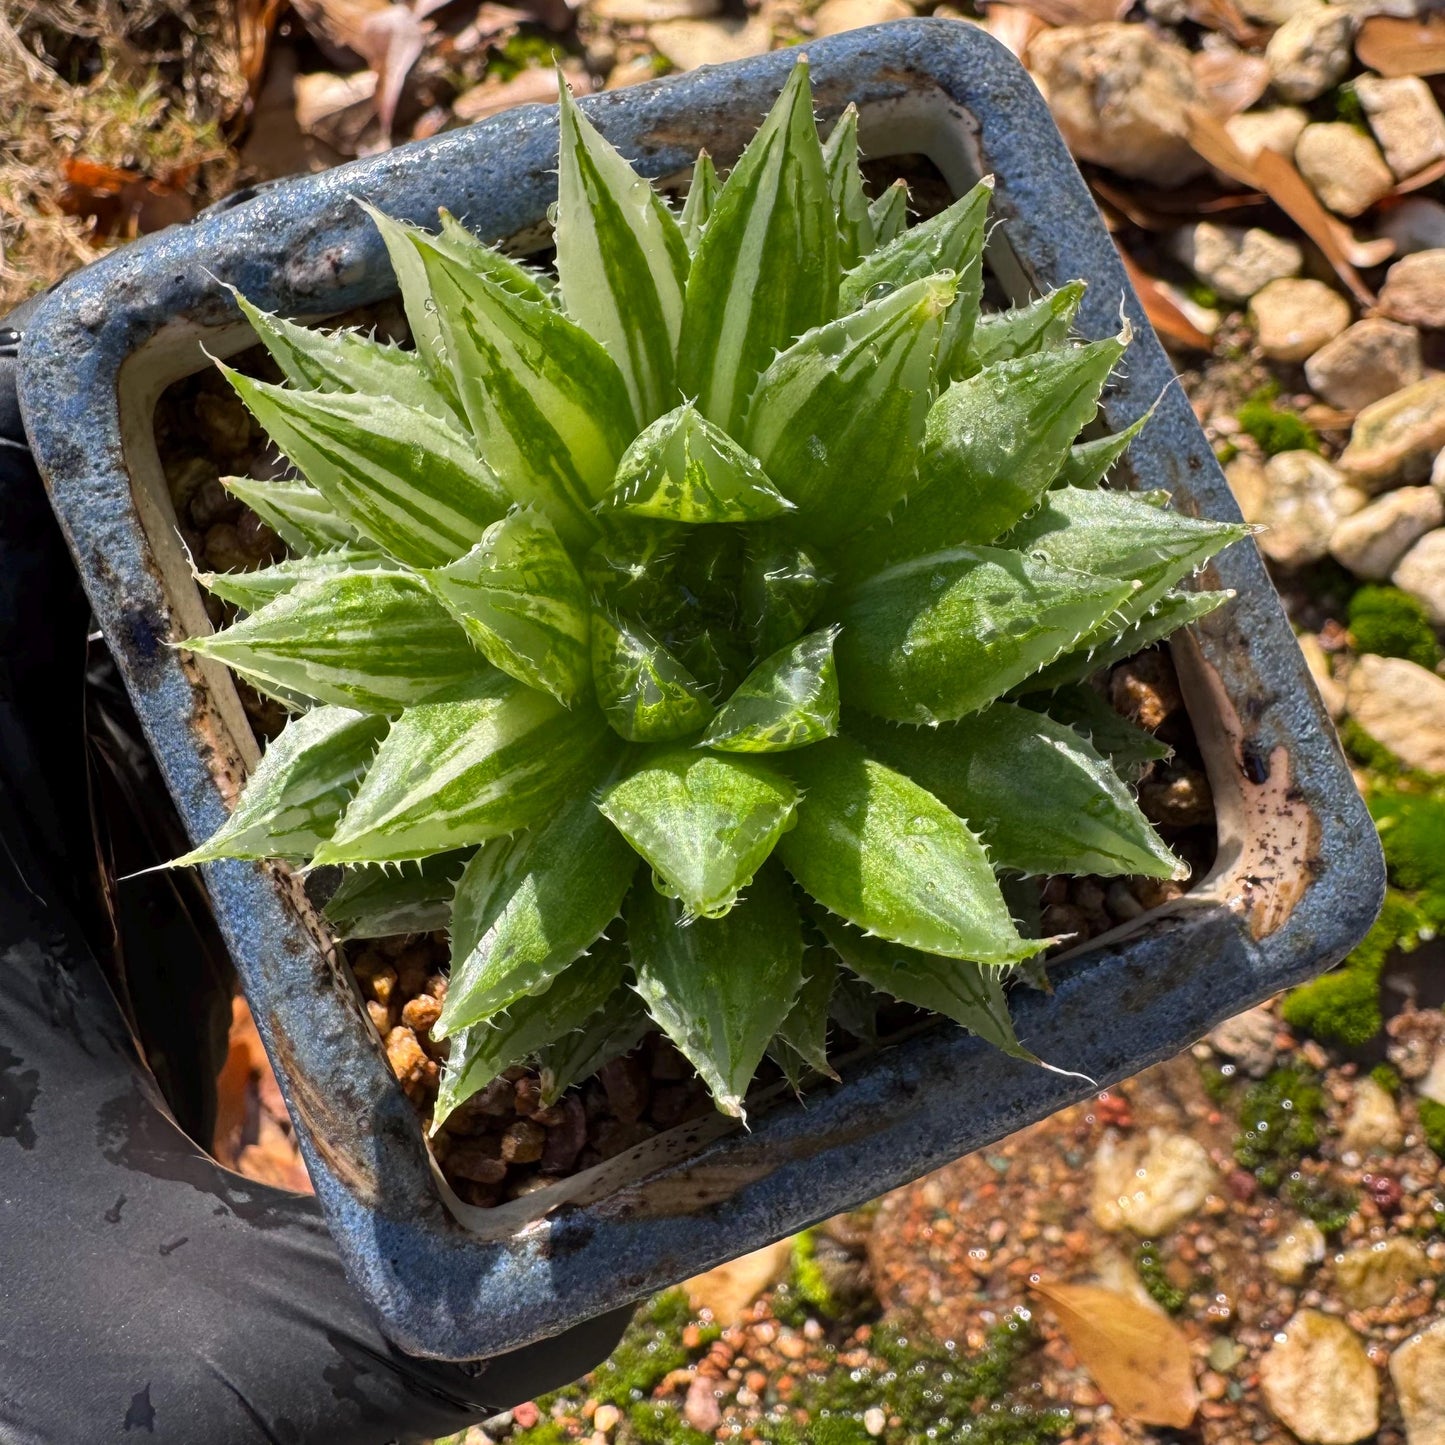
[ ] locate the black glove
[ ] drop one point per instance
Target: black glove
(143, 1287)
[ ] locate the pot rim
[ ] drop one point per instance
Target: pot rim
(1299, 876)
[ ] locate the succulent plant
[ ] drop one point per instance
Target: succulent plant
(696, 629)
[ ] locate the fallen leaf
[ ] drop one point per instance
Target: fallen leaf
(1402, 47)
(1277, 177)
(1427, 177)
(1076, 12)
(1225, 15)
(1153, 210)
(1165, 314)
(1137, 1356)
(336, 109)
(536, 86)
(728, 1290)
(124, 202)
(255, 25)
(1013, 27)
(1229, 80)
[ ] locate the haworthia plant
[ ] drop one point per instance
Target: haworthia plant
(699, 632)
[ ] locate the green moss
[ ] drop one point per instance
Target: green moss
(937, 1392)
(1160, 1288)
(1279, 1124)
(650, 1424)
(1412, 832)
(651, 1348)
(1202, 295)
(1327, 1205)
(1343, 1007)
(1347, 107)
(808, 1277)
(1391, 623)
(526, 50)
(544, 1432)
(1386, 1077)
(1276, 430)
(1432, 1121)
(1216, 1082)
(1368, 753)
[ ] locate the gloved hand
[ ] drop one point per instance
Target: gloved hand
(143, 1287)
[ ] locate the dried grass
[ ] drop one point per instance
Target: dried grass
(143, 87)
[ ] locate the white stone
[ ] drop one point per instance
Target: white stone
(1395, 440)
(1418, 1370)
(606, 1419)
(1373, 1121)
(1432, 1086)
(1149, 1184)
(1368, 1275)
(1310, 52)
(1414, 289)
(1416, 224)
(1234, 261)
(1304, 501)
(1247, 1039)
(1372, 541)
(1250, 486)
(1277, 129)
(875, 1422)
(1332, 694)
(1274, 12)
(1295, 316)
(1300, 1248)
(1121, 96)
(1421, 573)
(1365, 363)
(690, 43)
(1319, 1381)
(1343, 166)
(833, 17)
(651, 12)
(1402, 705)
(1405, 119)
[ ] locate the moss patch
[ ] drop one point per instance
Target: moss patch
(1391, 623)
(1275, 429)
(1432, 1121)
(1279, 1124)
(1155, 1279)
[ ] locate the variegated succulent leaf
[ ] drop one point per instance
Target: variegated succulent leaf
(706, 824)
(720, 987)
(586, 583)
(528, 905)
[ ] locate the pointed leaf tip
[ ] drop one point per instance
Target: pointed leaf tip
(685, 469)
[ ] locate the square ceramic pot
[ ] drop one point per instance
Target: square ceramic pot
(1297, 880)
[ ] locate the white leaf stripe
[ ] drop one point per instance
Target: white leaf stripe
(295, 511)
(253, 590)
(621, 260)
(454, 773)
(314, 360)
(478, 1054)
(299, 789)
(845, 184)
(548, 404)
(373, 640)
(521, 600)
(766, 269)
(701, 198)
(408, 481)
(837, 418)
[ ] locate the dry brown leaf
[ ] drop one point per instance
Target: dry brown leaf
(1229, 80)
(1427, 177)
(728, 1290)
(531, 87)
(336, 109)
(1402, 47)
(1277, 177)
(1225, 15)
(255, 24)
(1137, 1356)
(1075, 12)
(1013, 27)
(1164, 313)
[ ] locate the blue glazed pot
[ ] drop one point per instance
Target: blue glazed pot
(1298, 878)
